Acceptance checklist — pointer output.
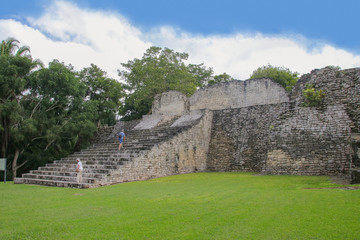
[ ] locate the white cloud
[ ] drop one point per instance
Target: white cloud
(78, 37)
(82, 36)
(240, 54)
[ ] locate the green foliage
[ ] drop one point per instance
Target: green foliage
(313, 98)
(281, 75)
(159, 70)
(57, 102)
(42, 113)
(8, 47)
(220, 78)
(15, 68)
(333, 67)
(104, 92)
(189, 206)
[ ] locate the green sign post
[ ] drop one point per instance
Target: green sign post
(3, 167)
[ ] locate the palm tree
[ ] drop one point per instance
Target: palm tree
(8, 46)
(12, 86)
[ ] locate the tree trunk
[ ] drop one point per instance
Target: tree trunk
(4, 137)
(14, 163)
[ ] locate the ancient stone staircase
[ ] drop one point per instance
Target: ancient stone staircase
(101, 159)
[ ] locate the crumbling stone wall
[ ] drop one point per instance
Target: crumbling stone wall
(170, 103)
(166, 107)
(307, 141)
(278, 140)
(237, 94)
(341, 87)
(288, 138)
(239, 138)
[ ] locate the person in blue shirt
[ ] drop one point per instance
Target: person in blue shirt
(121, 137)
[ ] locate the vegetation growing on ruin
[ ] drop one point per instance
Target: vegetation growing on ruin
(281, 75)
(312, 97)
(191, 206)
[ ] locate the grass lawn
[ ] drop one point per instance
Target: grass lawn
(191, 206)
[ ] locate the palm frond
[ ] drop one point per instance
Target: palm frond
(22, 50)
(7, 46)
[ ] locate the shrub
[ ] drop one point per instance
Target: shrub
(313, 98)
(281, 75)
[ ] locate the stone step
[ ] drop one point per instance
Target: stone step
(146, 137)
(127, 143)
(108, 151)
(111, 160)
(72, 169)
(70, 174)
(53, 183)
(58, 178)
(112, 152)
(90, 157)
(86, 163)
(87, 167)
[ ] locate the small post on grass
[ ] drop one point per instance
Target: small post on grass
(3, 167)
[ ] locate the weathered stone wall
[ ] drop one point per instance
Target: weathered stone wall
(289, 138)
(185, 153)
(341, 87)
(166, 107)
(237, 94)
(170, 103)
(279, 140)
(239, 138)
(308, 141)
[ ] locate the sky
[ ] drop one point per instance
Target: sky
(231, 36)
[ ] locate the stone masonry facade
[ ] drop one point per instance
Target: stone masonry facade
(257, 126)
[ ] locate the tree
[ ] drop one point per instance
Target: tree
(104, 93)
(9, 45)
(65, 121)
(159, 70)
(15, 68)
(43, 112)
(281, 75)
(221, 78)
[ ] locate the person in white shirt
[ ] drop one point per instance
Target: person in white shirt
(79, 169)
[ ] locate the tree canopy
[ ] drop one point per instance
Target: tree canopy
(281, 75)
(161, 70)
(103, 93)
(48, 112)
(16, 65)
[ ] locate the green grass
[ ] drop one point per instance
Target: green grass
(191, 206)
